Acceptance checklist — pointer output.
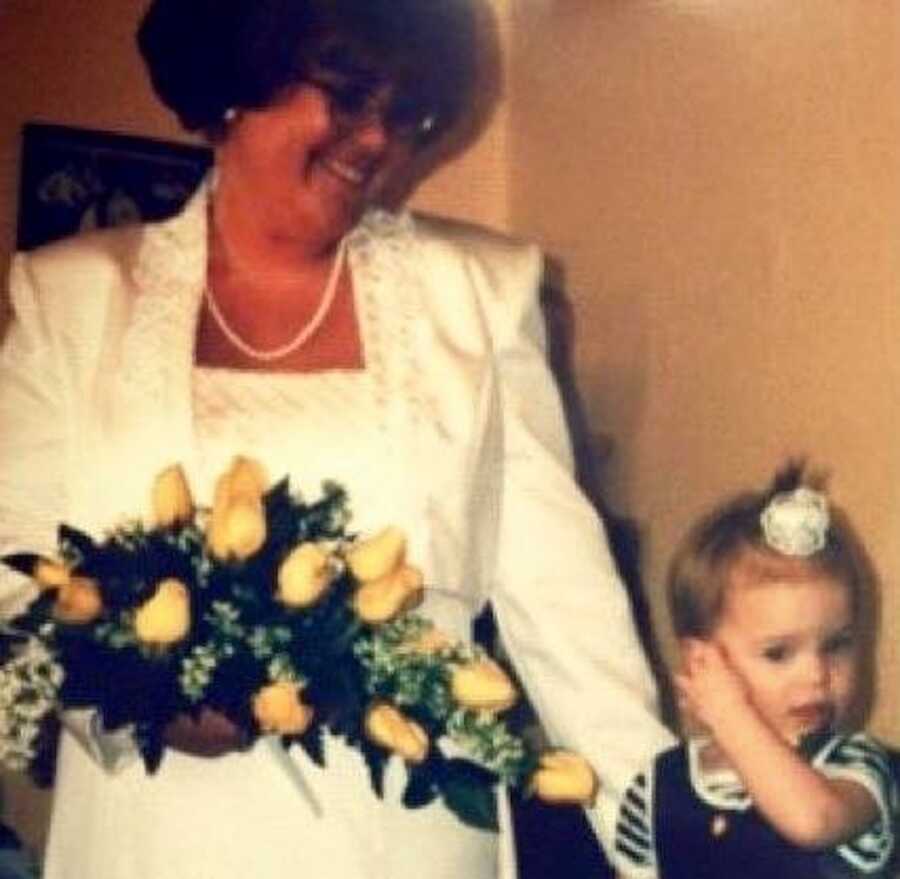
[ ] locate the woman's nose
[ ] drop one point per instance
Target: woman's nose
(371, 132)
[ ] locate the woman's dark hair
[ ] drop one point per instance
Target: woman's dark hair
(206, 56)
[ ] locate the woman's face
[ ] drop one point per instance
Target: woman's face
(304, 169)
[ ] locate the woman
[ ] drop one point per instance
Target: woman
(279, 315)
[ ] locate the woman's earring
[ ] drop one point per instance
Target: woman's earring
(230, 115)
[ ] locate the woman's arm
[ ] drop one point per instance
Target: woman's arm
(33, 500)
(802, 804)
(562, 610)
(32, 438)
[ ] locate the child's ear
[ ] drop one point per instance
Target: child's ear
(689, 656)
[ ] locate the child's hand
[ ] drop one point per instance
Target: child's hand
(709, 689)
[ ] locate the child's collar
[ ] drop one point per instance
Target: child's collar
(720, 788)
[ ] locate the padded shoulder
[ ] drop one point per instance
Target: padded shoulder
(69, 283)
(503, 272)
(470, 238)
(94, 259)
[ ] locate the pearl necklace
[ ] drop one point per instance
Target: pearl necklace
(304, 334)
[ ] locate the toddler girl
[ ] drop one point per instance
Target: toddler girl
(767, 597)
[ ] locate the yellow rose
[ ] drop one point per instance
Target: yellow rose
(564, 778)
(171, 496)
(278, 709)
(381, 600)
(378, 556)
(50, 574)
(483, 686)
(246, 478)
(304, 575)
(78, 601)
(238, 531)
(165, 618)
(237, 526)
(388, 727)
(217, 533)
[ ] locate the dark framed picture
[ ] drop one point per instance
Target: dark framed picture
(75, 179)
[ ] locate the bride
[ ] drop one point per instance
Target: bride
(282, 315)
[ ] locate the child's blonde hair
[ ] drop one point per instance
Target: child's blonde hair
(728, 546)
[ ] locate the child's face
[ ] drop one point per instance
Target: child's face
(793, 643)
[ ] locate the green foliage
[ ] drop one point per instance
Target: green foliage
(241, 638)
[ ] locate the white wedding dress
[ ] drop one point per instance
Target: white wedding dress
(453, 432)
(264, 814)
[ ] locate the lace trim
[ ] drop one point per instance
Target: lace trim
(381, 256)
(383, 252)
(169, 273)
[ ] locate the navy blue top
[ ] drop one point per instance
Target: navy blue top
(688, 824)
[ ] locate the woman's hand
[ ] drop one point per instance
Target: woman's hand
(709, 689)
(209, 734)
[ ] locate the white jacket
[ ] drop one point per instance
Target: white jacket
(95, 399)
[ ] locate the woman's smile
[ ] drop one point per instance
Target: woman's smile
(355, 167)
(308, 175)
(350, 174)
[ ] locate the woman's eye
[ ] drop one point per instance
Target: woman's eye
(351, 98)
(405, 111)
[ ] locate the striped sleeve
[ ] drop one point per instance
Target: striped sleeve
(860, 759)
(634, 827)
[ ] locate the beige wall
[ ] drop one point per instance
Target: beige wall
(721, 181)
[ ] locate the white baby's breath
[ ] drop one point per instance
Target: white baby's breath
(29, 684)
(489, 742)
(197, 670)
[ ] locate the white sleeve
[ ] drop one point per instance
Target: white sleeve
(32, 439)
(562, 610)
(33, 420)
(635, 842)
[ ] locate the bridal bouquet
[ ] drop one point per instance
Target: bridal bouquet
(266, 608)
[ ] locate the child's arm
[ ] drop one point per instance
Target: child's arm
(806, 807)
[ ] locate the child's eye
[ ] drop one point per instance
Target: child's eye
(838, 644)
(776, 653)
